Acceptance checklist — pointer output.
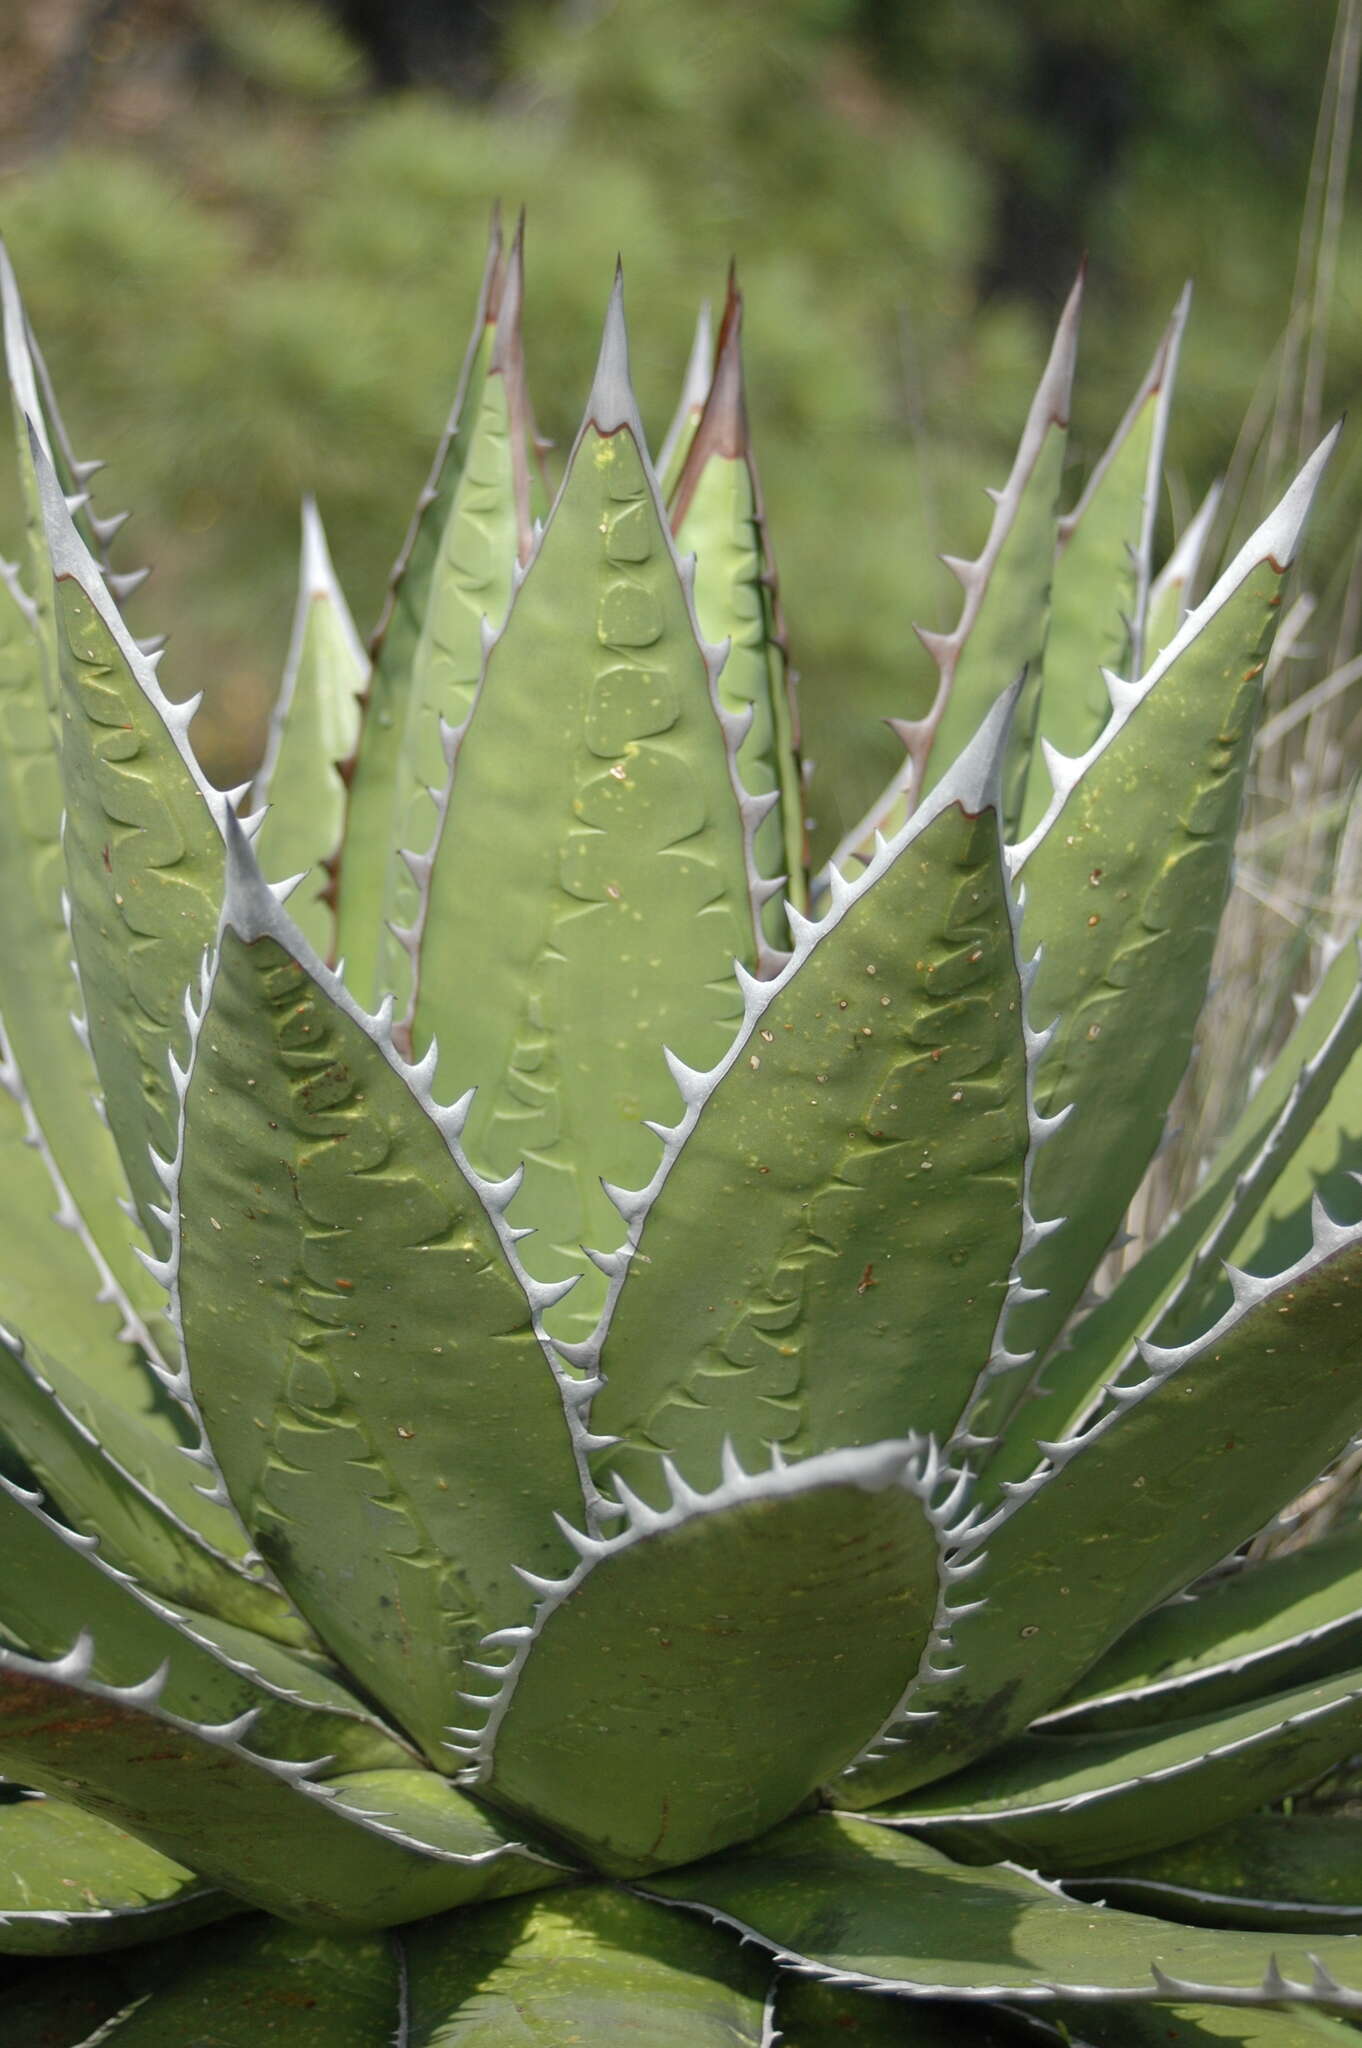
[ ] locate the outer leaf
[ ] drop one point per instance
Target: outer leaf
(869, 1906)
(813, 2015)
(1180, 1469)
(848, 1182)
(56, 1585)
(1170, 593)
(1071, 1802)
(314, 728)
(1001, 628)
(1100, 594)
(1124, 887)
(71, 1884)
(595, 1966)
(486, 540)
(365, 1850)
(717, 515)
(388, 1346)
(58, 1073)
(1201, 2026)
(1170, 1291)
(135, 1492)
(676, 442)
(373, 773)
(143, 846)
(665, 1705)
(612, 921)
(1294, 1616)
(52, 1282)
(1298, 1871)
(258, 1981)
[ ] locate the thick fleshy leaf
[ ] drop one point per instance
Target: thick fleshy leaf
(143, 848)
(1298, 1871)
(1198, 2026)
(593, 1966)
(1063, 1802)
(849, 1183)
(56, 1584)
(486, 537)
(1100, 592)
(373, 773)
(716, 515)
(665, 1704)
(1171, 592)
(870, 1906)
(387, 1351)
(1001, 628)
(557, 959)
(813, 2015)
(1169, 1293)
(1124, 884)
(71, 1884)
(257, 1982)
(315, 727)
(1294, 1616)
(365, 1850)
(135, 1491)
(1182, 1466)
(38, 993)
(699, 372)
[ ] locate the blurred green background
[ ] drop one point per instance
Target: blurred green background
(250, 232)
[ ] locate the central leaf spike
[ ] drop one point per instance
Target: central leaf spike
(590, 884)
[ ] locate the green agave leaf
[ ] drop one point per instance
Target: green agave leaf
(135, 1491)
(366, 1849)
(53, 1283)
(374, 771)
(676, 442)
(1180, 1468)
(1001, 628)
(1100, 593)
(1298, 1871)
(1294, 1616)
(487, 537)
(315, 726)
(1170, 1293)
(56, 1584)
(143, 851)
(612, 923)
(869, 1906)
(814, 2015)
(848, 1182)
(717, 515)
(71, 1884)
(59, 1077)
(590, 1965)
(1199, 2026)
(336, 1181)
(255, 1981)
(663, 1704)
(1063, 1802)
(1169, 595)
(1125, 881)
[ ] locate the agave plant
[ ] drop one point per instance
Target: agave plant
(772, 1622)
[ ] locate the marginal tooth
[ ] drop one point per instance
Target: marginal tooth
(690, 1080)
(124, 585)
(544, 1589)
(631, 1202)
(499, 1194)
(731, 1465)
(587, 1547)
